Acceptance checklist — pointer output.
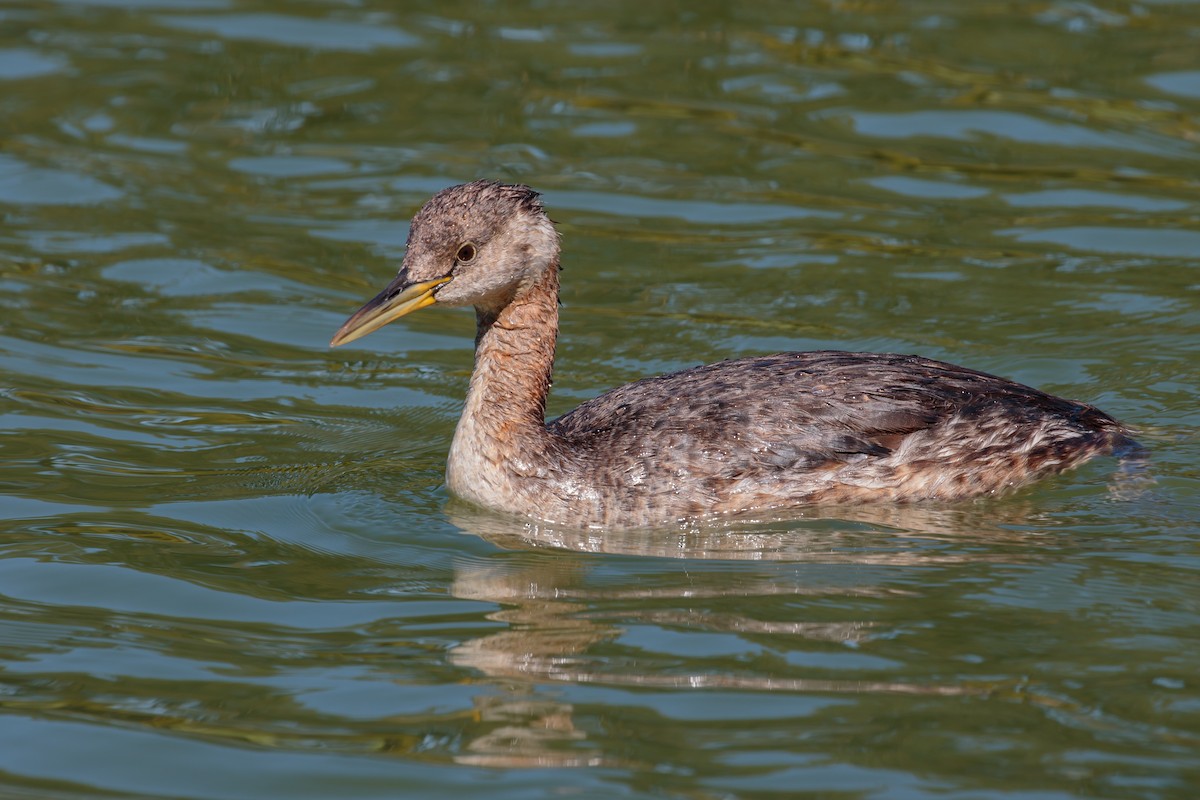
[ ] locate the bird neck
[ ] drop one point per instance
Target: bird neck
(502, 433)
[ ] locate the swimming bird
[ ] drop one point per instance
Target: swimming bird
(751, 435)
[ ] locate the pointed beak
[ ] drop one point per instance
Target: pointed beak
(399, 298)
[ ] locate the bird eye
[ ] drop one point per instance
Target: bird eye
(466, 253)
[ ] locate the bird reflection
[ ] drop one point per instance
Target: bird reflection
(554, 634)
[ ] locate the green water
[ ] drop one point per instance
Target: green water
(229, 568)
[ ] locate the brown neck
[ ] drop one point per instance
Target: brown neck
(502, 435)
(514, 353)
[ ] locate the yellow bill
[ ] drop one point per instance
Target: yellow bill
(392, 303)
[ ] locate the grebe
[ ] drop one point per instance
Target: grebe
(751, 435)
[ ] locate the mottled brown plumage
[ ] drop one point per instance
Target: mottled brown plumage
(751, 435)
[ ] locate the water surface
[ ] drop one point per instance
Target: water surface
(228, 567)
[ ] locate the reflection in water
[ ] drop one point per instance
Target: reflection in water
(322, 34)
(21, 184)
(529, 733)
(864, 534)
(553, 636)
